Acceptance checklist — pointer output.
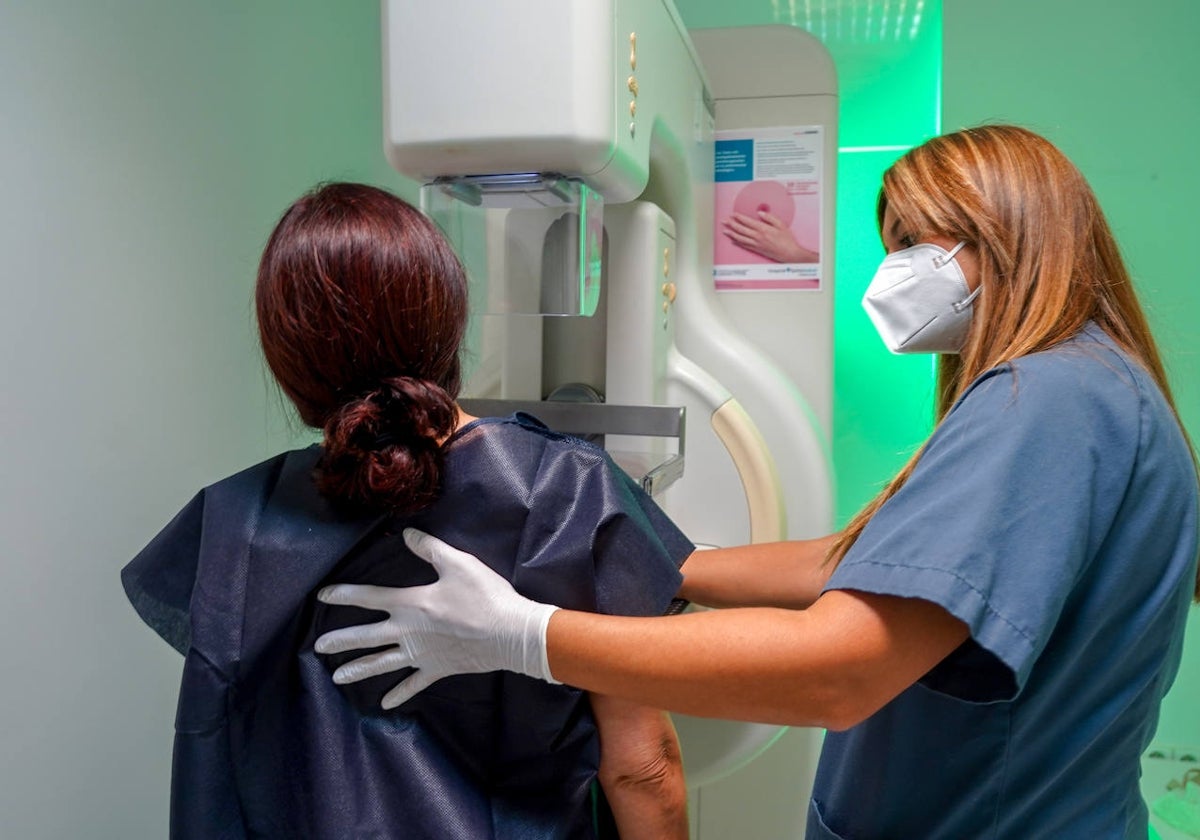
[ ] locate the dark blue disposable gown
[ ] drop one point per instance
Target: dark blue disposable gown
(267, 746)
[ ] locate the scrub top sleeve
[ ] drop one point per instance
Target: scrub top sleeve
(993, 524)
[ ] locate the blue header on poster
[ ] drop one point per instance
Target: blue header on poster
(735, 160)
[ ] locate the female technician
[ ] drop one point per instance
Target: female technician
(989, 639)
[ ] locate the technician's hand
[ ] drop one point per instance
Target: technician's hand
(469, 621)
(768, 237)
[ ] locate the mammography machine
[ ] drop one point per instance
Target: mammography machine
(569, 147)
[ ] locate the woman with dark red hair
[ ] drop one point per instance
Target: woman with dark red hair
(362, 307)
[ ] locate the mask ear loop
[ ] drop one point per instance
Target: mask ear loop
(940, 261)
(968, 300)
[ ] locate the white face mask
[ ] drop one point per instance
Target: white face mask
(919, 300)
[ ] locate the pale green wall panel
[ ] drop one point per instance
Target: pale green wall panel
(1117, 87)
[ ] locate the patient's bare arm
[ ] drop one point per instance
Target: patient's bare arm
(641, 770)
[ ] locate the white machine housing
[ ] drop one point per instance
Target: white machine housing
(509, 87)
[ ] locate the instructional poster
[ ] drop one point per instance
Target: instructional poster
(768, 209)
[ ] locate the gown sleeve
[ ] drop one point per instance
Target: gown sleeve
(1000, 517)
(595, 540)
(187, 584)
(160, 582)
(160, 579)
(638, 552)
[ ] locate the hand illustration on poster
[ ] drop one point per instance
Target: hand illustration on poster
(768, 209)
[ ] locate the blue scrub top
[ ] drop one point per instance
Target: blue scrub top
(1054, 511)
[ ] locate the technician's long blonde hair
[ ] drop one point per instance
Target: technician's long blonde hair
(1048, 262)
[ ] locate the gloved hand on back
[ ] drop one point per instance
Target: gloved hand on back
(469, 621)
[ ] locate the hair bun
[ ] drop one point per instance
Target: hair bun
(411, 408)
(382, 450)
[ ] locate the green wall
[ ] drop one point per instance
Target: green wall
(1117, 87)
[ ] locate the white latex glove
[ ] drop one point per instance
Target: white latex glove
(469, 621)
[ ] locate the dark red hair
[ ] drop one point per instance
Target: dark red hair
(362, 305)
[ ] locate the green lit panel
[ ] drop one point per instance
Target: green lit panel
(890, 100)
(882, 404)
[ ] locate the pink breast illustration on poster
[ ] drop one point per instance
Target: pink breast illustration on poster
(767, 209)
